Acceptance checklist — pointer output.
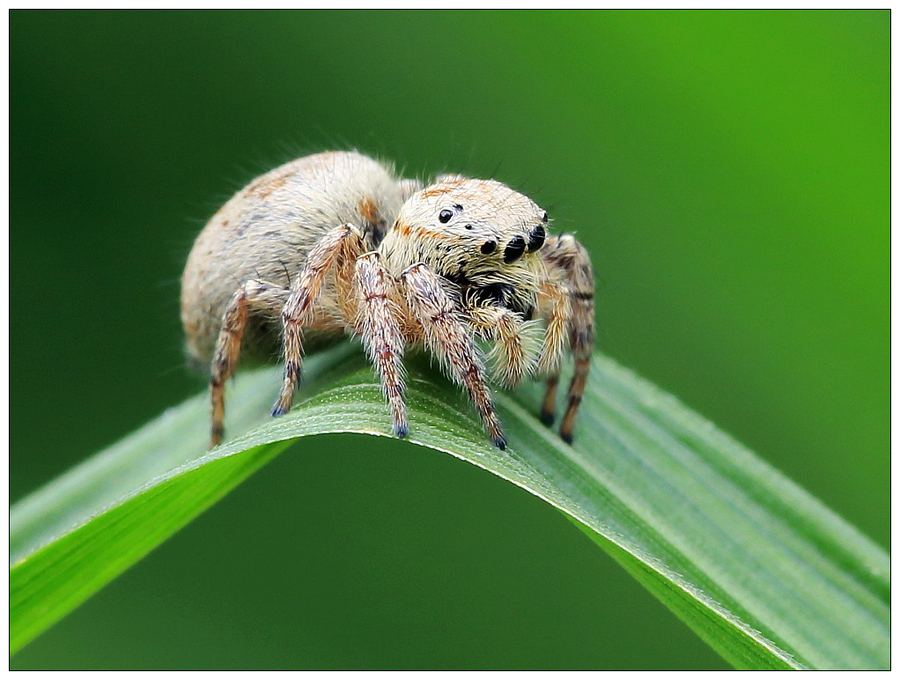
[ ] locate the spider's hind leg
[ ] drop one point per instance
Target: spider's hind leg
(252, 295)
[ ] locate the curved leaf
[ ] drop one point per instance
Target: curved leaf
(763, 572)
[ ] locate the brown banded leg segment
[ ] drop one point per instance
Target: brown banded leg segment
(378, 324)
(548, 407)
(446, 335)
(253, 294)
(515, 351)
(582, 334)
(339, 243)
(572, 258)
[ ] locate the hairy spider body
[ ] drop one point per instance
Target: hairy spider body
(336, 243)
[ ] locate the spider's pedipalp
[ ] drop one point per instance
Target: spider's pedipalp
(555, 306)
(338, 245)
(446, 335)
(567, 256)
(514, 355)
(379, 326)
(253, 294)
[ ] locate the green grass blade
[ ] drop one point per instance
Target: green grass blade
(759, 569)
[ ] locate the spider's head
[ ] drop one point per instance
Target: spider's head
(480, 234)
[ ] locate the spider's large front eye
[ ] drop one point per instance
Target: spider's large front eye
(536, 239)
(445, 216)
(514, 250)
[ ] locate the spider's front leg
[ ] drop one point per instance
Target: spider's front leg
(446, 335)
(379, 326)
(341, 245)
(570, 306)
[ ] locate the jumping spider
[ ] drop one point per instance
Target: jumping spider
(335, 243)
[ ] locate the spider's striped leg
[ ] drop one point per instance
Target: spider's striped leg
(338, 245)
(379, 325)
(446, 335)
(253, 295)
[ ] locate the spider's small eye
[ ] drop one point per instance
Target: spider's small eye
(536, 239)
(445, 216)
(545, 217)
(514, 250)
(488, 247)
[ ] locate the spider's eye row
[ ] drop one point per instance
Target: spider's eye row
(514, 250)
(545, 217)
(536, 240)
(445, 216)
(488, 247)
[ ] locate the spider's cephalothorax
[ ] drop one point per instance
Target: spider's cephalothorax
(335, 244)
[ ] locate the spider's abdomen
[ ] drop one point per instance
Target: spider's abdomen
(265, 231)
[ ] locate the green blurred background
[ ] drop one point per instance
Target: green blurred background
(729, 172)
